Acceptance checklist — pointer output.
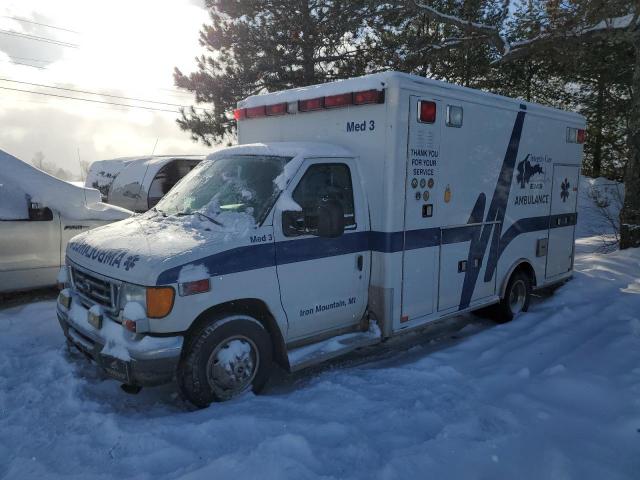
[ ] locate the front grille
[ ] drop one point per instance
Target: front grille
(93, 289)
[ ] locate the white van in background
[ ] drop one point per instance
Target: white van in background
(349, 213)
(138, 183)
(38, 215)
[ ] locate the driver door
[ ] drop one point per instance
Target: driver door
(323, 281)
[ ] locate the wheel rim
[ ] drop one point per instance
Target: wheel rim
(517, 297)
(232, 366)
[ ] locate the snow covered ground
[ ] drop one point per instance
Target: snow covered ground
(552, 395)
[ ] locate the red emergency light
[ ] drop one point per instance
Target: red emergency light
(368, 96)
(256, 112)
(364, 97)
(427, 111)
(276, 109)
(334, 101)
(311, 104)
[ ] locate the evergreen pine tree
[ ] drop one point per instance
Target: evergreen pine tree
(267, 45)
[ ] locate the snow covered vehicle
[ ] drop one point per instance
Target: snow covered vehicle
(350, 212)
(38, 215)
(138, 183)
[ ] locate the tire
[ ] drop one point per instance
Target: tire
(516, 298)
(224, 358)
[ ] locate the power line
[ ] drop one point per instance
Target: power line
(38, 23)
(25, 64)
(96, 93)
(89, 100)
(31, 59)
(39, 39)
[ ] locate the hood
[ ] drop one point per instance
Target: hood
(138, 250)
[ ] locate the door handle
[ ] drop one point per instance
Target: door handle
(360, 262)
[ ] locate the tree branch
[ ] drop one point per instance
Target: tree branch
(490, 32)
(621, 28)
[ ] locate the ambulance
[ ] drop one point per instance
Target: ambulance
(349, 213)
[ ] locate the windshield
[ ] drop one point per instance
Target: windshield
(237, 183)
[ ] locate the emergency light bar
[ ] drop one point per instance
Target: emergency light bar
(365, 97)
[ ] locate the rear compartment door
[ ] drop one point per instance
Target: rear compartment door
(421, 232)
(564, 197)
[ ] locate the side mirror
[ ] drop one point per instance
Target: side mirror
(39, 214)
(330, 219)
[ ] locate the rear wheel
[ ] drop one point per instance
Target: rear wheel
(228, 356)
(516, 298)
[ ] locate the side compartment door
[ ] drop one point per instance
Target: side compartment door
(564, 198)
(421, 232)
(323, 281)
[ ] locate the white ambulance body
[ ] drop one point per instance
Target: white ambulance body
(398, 201)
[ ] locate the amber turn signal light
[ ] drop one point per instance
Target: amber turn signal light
(159, 301)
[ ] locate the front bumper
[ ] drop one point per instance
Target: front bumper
(139, 360)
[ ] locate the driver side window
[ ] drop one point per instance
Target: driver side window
(322, 183)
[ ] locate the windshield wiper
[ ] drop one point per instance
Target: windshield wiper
(212, 220)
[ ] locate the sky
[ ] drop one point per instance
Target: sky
(119, 47)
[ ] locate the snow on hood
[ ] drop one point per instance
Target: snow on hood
(70, 200)
(138, 249)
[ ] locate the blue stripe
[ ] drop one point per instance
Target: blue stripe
(301, 250)
(386, 242)
(426, 237)
(265, 255)
(496, 212)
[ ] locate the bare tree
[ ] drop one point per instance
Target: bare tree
(38, 161)
(590, 22)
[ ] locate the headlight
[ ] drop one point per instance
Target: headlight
(157, 301)
(133, 293)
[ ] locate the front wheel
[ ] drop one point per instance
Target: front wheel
(228, 356)
(516, 298)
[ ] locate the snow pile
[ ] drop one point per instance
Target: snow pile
(71, 201)
(553, 394)
(134, 311)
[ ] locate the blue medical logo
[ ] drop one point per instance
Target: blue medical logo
(526, 170)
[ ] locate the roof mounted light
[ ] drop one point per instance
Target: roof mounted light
(368, 96)
(364, 97)
(256, 112)
(311, 104)
(276, 109)
(341, 100)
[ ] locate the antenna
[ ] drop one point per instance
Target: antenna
(155, 145)
(82, 175)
